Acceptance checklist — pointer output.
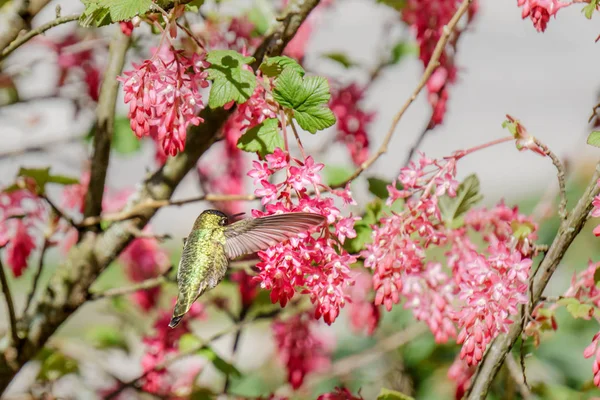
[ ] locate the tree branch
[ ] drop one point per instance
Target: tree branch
(501, 345)
(12, 319)
(104, 126)
(36, 278)
(19, 18)
(68, 288)
(34, 32)
(560, 174)
(431, 66)
(147, 284)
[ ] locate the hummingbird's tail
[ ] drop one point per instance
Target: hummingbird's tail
(175, 321)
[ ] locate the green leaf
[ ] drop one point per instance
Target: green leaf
(108, 337)
(522, 229)
(308, 97)
(373, 212)
(388, 394)
(194, 6)
(576, 308)
(336, 175)
(188, 342)
(395, 4)
(363, 236)
(597, 276)
(378, 187)
(402, 49)
(230, 80)
(95, 14)
(262, 139)
(467, 195)
(594, 139)
(124, 140)
(104, 12)
(55, 365)
(341, 59)
(261, 15)
(589, 9)
(219, 363)
(42, 176)
(273, 66)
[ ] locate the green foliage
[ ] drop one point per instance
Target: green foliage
(401, 50)
(378, 187)
(395, 4)
(589, 9)
(55, 365)
(263, 138)
(189, 342)
(388, 394)
(341, 59)
(576, 308)
(467, 195)
(307, 97)
(42, 176)
(108, 337)
(594, 139)
(194, 6)
(124, 140)
(336, 175)
(373, 212)
(274, 66)
(261, 14)
(104, 12)
(230, 80)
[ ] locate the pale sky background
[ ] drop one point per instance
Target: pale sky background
(549, 81)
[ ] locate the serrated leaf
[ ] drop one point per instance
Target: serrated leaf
(594, 139)
(389, 394)
(230, 80)
(123, 10)
(219, 363)
(262, 139)
(108, 337)
(467, 195)
(124, 140)
(402, 49)
(341, 59)
(576, 308)
(273, 66)
(55, 365)
(308, 97)
(95, 14)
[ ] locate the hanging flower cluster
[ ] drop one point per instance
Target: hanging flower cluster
(315, 265)
(540, 11)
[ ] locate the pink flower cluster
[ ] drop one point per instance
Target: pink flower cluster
(540, 11)
(22, 217)
(164, 96)
(312, 264)
(460, 373)
(483, 290)
(340, 394)
(299, 348)
(362, 310)
(163, 342)
(427, 19)
(352, 120)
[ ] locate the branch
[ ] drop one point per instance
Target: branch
(32, 33)
(21, 17)
(147, 284)
(501, 345)
(104, 126)
(12, 319)
(37, 276)
(431, 66)
(416, 145)
(518, 377)
(69, 287)
(560, 168)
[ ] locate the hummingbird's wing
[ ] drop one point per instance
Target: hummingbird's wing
(254, 234)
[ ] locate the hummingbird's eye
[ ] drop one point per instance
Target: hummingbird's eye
(223, 222)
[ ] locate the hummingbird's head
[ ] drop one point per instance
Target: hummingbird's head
(211, 219)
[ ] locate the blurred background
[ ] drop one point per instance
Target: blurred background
(547, 80)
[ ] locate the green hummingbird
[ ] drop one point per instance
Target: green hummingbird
(213, 242)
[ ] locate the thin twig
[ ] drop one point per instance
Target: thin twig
(57, 210)
(140, 234)
(560, 174)
(191, 35)
(416, 145)
(19, 19)
(518, 377)
(431, 66)
(594, 112)
(147, 284)
(291, 123)
(9, 305)
(37, 276)
(37, 31)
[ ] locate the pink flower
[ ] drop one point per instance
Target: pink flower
(305, 175)
(19, 248)
(340, 394)
(540, 11)
(461, 374)
(594, 350)
(299, 349)
(352, 121)
(164, 96)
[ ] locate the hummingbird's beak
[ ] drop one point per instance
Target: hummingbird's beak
(237, 215)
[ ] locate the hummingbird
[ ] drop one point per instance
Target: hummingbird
(213, 242)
